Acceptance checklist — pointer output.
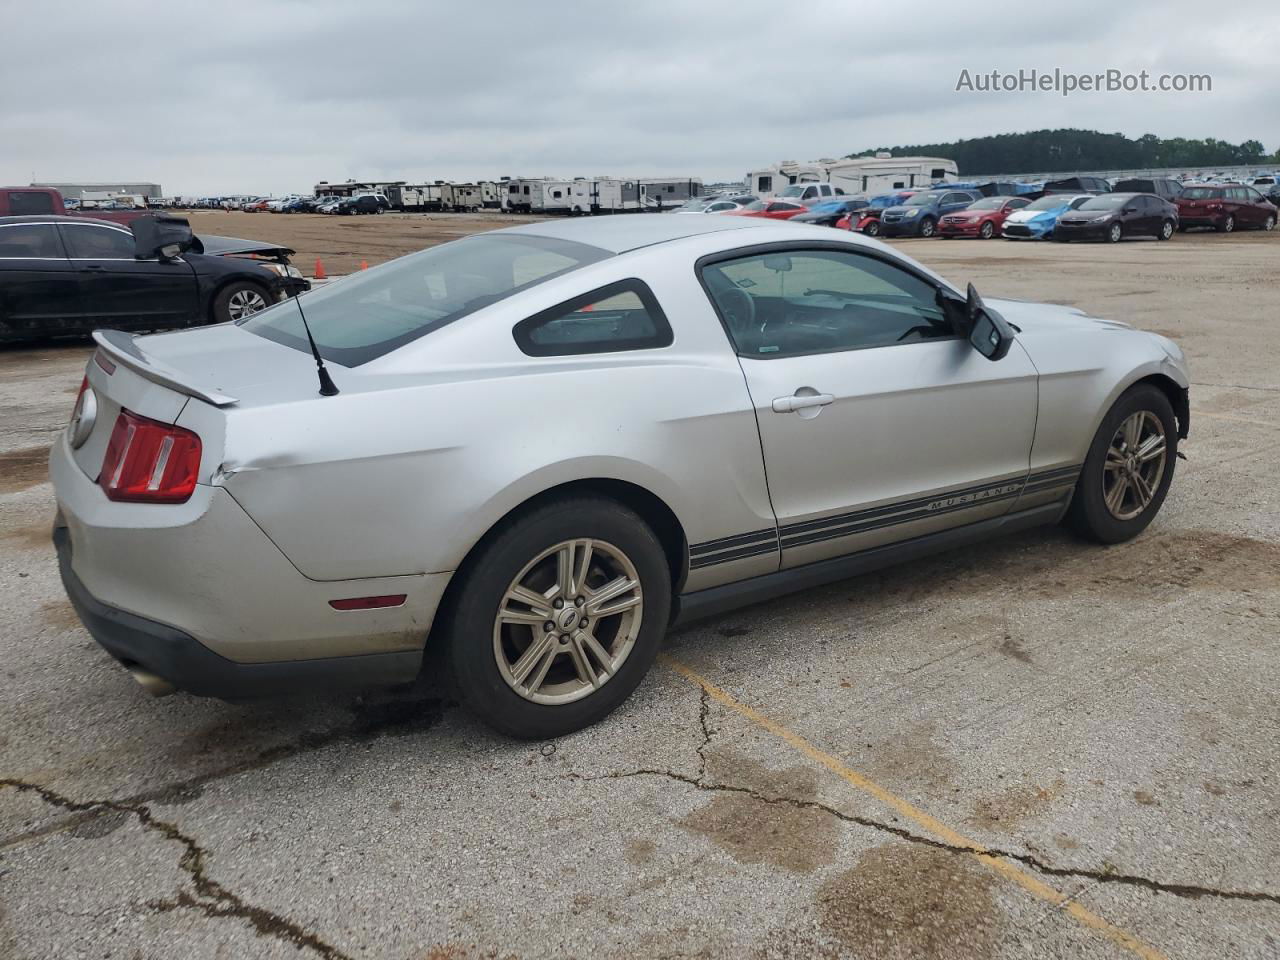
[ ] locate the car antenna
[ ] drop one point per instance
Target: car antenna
(327, 387)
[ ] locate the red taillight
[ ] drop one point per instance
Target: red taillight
(84, 385)
(149, 462)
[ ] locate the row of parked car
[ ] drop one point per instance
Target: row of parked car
(1074, 208)
(360, 203)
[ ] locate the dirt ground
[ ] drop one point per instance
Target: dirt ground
(341, 243)
(1034, 747)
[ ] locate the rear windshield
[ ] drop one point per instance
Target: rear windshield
(366, 316)
(1108, 201)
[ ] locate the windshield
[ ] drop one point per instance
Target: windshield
(1107, 201)
(695, 203)
(1051, 202)
(988, 203)
(1202, 193)
(923, 200)
(369, 314)
(795, 190)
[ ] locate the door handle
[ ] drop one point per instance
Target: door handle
(93, 266)
(801, 402)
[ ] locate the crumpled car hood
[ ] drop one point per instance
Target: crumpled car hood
(225, 246)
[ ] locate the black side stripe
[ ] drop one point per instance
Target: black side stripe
(741, 554)
(710, 546)
(760, 542)
(867, 527)
(889, 508)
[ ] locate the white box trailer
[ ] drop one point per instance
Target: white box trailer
(519, 196)
(491, 194)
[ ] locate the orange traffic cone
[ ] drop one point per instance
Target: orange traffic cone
(364, 264)
(320, 275)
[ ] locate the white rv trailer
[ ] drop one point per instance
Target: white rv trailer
(466, 196)
(446, 196)
(415, 196)
(767, 181)
(604, 195)
(667, 193)
(522, 193)
(491, 194)
(884, 173)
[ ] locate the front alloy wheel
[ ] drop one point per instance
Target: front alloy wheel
(245, 302)
(1114, 233)
(926, 227)
(1134, 465)
(988, 230)
(568, 621)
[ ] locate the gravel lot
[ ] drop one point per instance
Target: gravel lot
(1033, 748)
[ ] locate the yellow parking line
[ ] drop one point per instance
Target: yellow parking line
(1013, 871)
(1226, 416)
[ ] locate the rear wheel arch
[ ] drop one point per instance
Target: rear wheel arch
(649, 507)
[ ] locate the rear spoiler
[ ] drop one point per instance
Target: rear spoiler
(123, 348)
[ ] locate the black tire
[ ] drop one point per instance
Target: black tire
(469, 630)
(1270, 223)
(987, 230)
(927, 227)
(1088, 515)
(220, 309)
(1115, 233)
(1166, 230)
(1228, 225)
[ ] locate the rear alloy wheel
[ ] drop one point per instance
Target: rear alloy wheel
(559, 618)
(238, 300)
(1129, 468)
(1269, 224)
(1114, 233)
(1166, 230)
(926, 227)
(1228, 225)
(988, 230)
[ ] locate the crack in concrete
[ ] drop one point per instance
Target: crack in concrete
(1106, 875)
(372, 721)
(704, 709)
(211, 897)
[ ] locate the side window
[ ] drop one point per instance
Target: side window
(938, 174)
(30, 240)
(1254, 195)
(825, 189)
(766, 184)
(621, 316)
(97, 243)
(791, 303)
(23, 203)
(1018, 203)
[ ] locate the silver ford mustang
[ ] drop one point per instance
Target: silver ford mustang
(537, 449)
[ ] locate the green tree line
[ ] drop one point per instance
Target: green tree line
(1070, 149)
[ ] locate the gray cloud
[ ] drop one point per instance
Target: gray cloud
(274, 95)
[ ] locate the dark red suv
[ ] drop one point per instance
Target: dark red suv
(1225, 207)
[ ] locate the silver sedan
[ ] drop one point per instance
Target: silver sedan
(536, 449)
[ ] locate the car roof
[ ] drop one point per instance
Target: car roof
(56, 218)
(621, 232)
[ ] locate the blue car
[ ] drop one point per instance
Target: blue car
(1037, 219)
(919, 215)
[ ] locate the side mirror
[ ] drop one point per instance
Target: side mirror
(989, 333)
(161, 236)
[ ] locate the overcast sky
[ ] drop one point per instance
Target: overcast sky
(271, 96)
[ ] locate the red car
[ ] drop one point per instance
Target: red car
(868, 221)
(1225, 207)
(769, 209)
(982, 218)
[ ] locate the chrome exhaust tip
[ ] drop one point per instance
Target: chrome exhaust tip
(156, 686)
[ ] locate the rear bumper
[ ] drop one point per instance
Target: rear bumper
(189, 665)
(1066, 231)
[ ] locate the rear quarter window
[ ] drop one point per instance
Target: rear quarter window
(30, 241)
(619, 317)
